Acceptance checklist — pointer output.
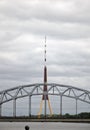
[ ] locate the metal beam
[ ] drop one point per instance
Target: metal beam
(40, 85)
(53, 89)
(14, 107)
(0, 110)
(29, 106)
(61, 105)
(76, 106)
(45, 106)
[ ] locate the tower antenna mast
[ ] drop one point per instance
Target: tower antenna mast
(45, 51)
(45, 97)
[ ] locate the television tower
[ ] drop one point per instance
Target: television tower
(45, 97)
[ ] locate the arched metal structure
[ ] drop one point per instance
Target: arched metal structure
(37, 89)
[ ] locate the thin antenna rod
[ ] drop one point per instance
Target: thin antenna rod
(45, 51)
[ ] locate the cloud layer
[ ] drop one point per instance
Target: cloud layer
(23, 26)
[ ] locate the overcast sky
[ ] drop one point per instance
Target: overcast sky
(23, 26)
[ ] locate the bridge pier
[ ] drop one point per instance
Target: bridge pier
(14, 108)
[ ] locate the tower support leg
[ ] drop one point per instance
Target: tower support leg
(41, 104)
(50, 107)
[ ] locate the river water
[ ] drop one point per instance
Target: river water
(44, 126)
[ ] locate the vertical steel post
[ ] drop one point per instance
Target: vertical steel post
(45, 112)
(76, 106)
(0, 110)
(29, 106)
(61, 105)
(14, 107)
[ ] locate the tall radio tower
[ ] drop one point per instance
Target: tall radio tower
(45, 97)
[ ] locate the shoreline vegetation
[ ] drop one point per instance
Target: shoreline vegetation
(81, 117)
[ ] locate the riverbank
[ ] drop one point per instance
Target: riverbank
(43, 120)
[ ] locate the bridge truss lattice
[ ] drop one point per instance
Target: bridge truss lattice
(37, 89)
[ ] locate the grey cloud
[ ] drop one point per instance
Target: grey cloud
(48, 10)
(23, 25)
(61, 31)
(24, 17)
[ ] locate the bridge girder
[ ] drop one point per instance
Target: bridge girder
(37, 89)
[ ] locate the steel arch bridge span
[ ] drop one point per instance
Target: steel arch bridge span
(37, 89)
